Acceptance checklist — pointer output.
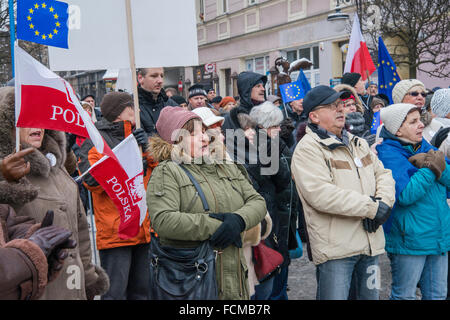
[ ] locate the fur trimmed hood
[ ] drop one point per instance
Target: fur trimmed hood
(161, 150)
(342, 87)
(54, 142)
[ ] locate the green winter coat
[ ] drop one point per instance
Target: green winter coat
(177, 214)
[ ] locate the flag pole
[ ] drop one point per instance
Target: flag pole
(132, 63)
(12, 32)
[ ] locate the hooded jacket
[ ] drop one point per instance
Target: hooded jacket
(336, 191)
(177, 213)
(56, 191)
(245, 82)
(420, 220)
(151, 108)
(107, 217)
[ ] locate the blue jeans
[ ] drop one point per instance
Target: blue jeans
(280, 282)
(263, 290)
(334, 278)
(430, 272)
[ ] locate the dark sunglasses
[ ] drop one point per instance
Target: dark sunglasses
(415, 94)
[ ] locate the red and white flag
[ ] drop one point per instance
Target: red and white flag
(45, 100)
(123, 181)
(358, 56)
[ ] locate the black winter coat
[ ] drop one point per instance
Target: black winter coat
(150, 109)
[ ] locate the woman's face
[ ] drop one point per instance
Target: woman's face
(229, 106)
(377, 108)
(350, 106)
(412, 128)
(32, 136)
(196, 144)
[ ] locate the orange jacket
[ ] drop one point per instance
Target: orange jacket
(106, 215)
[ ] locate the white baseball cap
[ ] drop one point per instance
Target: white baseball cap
(208, 117)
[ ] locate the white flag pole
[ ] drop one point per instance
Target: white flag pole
(132, 63)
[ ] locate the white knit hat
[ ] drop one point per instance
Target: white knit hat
(440, 102)
(402, 88)
(394, 115)
(208, 117)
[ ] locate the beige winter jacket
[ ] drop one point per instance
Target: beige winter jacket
(335, 183)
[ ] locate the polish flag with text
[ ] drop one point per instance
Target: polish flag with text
(358, 56)
(123, 181)
(45, 100)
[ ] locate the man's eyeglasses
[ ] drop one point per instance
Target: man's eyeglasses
(333, 106)
(416, 93)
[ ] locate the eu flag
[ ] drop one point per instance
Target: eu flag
(292, 91)
(376, 122)
(43, 22)
(387, 71)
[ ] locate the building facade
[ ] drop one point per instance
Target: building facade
(248, 35)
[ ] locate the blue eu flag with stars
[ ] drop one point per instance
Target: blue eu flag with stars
(43, 22)
(292, 91)
(387, 71)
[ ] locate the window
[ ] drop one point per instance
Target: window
(252, 2)
(200, 7)
(222, 7)
(258, 64)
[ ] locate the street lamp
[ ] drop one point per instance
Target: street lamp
(338, 15)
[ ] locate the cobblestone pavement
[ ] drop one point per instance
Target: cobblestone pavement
(302, 278)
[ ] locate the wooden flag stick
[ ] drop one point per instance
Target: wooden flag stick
(132, 64)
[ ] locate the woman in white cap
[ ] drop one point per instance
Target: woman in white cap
(418, 230)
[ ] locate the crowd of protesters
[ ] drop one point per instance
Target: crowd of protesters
(308, 172)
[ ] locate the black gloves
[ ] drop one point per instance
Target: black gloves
(229, 231)
(49, 238)
(383, 212)
(141, 138)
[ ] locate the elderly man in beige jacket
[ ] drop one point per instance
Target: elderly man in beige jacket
(346, 194)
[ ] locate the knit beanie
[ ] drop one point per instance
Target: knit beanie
(394, 115)
(113, 103)
(178, 99)
(351, 78)
(196, 90)
(440, 103)
(402, 88)
(172, 119)
(226, 100)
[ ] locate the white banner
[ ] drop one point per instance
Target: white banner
(164, 32)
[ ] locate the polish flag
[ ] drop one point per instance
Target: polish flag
(358, 56)
(45, 100)
(123, 181)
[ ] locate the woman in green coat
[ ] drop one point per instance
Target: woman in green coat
(176, 211)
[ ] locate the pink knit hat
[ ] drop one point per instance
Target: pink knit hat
(171, 119)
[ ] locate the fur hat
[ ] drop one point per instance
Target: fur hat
(196, 90)
(266, 115)
(440, 102)
(402, 88)
(113, 103)
(351, 78)
(394, 115)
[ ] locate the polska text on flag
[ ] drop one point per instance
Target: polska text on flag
(123, 181)
(43, 22)
(44, 100)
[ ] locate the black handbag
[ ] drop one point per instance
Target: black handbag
(183, 274)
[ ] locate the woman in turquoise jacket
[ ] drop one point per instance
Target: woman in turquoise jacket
(418, 230)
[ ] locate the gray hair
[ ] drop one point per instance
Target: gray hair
(267, 115)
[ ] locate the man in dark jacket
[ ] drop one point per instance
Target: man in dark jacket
(152, 97)
(251, 88)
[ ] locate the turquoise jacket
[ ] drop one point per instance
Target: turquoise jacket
(420, 219)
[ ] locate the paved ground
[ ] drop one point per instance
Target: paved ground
(302, 278)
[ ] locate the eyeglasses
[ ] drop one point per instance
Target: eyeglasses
(333, 106)
(416, 93)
